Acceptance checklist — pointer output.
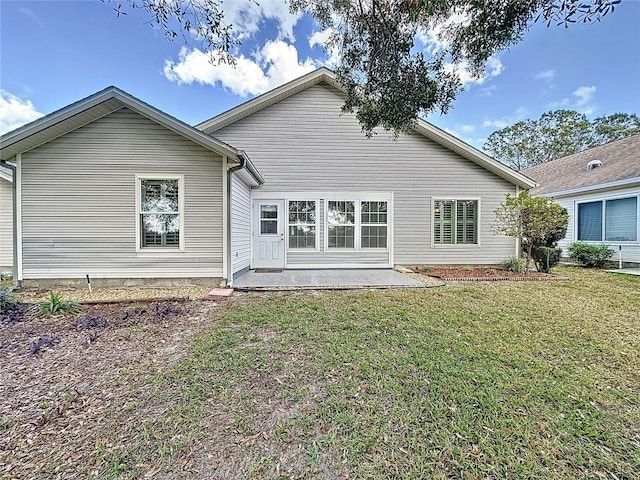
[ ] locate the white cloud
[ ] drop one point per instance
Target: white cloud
(545, 76)
(276, 63)
(434, 39)
(493, 68)
(467, 128)
(584, 94)
(583, 97)
(320, 38)
(15, 112)
(246, 17)
(508, 120)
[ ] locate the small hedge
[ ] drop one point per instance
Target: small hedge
(590, 255)
(546, 258)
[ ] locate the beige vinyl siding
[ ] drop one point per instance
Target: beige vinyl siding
(240, 224)
(78, 202)
(303, 143)
(6, 225)
(630, 250)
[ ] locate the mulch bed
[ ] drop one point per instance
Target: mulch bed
(482, 274)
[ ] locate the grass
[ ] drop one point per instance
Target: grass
(468, 381)
(511, 380)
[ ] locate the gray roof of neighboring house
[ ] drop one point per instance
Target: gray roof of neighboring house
(620, 166)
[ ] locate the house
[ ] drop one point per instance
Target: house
(113, 188)
(600, 188)
(6, 219)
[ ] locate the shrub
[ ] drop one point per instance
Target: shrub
(56, 306)
(11, 312)
(514, 264)
(589, 255)
(546, 258)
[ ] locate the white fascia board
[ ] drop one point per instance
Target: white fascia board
(176, 125)
(125, 100)
(271, 97)
(6, 174)
(627, 182)
(453, 143)
(424, 128)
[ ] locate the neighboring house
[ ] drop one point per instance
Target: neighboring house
(6, 219)
(113, 188)
(600, 188)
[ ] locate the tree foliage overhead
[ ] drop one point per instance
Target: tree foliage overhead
(390, 78)
(557, 134)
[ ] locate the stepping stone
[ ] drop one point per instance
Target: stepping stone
(219, 294)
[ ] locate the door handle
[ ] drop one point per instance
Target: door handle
(282, 236)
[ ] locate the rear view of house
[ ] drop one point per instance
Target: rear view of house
(600, 188)
(116, 189)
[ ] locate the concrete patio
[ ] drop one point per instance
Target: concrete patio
(326, 279)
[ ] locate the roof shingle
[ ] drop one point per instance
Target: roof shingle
(620, 161)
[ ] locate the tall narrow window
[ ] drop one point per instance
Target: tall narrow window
(590, 221)
(455, 222)
(373, 224)
(302, 224)
(341, 224)
(160, 223)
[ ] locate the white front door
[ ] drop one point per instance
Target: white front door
(268, 233)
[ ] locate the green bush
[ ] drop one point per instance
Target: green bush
(56, 306)
(589, 255)
(546, 258)
(514, 264)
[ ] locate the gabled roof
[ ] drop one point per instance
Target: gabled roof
(324, 75)
(568, 175)
(92, 108)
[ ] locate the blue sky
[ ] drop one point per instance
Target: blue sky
(53, 53)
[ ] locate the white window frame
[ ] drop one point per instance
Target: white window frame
(603, 231)
(357, 241)
(437, 198)
(317, 212)
(138, 197)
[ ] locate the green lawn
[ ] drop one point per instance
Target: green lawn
(474, 380)
(497, 380)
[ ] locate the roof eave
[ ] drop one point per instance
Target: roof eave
(271, 97)
(627, 182)
(22, 133)
(453, 143)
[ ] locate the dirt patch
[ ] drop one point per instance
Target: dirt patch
(65, 381)
(481, 273)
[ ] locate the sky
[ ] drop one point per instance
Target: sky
(53, 53)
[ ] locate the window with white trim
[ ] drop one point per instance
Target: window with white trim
(455, 222)
(614, 220)
(373, 224)
(302, 224)
(159, 213)
(341, 224)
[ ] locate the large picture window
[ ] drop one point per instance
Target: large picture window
(159, 213)
(302, 224)
(613, 220)
(455, 222)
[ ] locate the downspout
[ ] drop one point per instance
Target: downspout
(16, 283)
(230, 171)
